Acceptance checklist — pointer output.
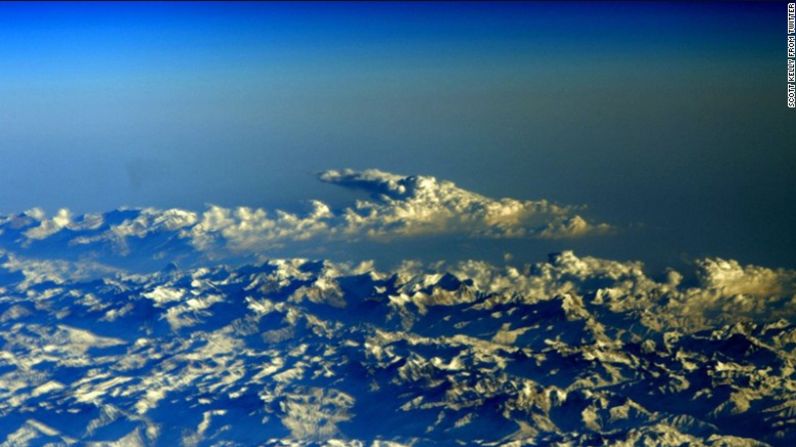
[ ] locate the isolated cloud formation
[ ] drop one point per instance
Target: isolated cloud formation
(417, 205)
(398, 207)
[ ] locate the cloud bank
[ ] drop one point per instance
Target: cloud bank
(398, 207)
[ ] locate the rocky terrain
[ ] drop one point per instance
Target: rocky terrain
(574, 351)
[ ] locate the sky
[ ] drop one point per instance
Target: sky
(666, 120)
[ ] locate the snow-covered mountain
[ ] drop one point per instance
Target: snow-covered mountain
(573, 351)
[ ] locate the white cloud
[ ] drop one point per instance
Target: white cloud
(398, 207)
(62, 219)
(728, 277)
(247, 228)
(418, 205)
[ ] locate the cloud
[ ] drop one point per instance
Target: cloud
(62, 219)
(729, 291)
(421, 205)
(728, 277)
(246, 228)
(398, 207)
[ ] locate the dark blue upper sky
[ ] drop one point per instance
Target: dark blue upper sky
(666, 119)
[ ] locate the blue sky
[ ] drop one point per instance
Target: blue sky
(667, 120)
